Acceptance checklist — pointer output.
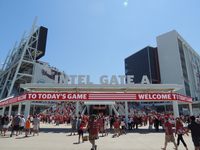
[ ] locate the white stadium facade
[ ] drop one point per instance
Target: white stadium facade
(173, 61)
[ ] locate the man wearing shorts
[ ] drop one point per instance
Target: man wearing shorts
(169, 136)
(15, 125)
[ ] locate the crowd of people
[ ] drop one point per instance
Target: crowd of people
(91, 127)
(173, 127)
(59, 114)
(18, 124)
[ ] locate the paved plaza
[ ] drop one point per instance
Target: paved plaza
(57, 138)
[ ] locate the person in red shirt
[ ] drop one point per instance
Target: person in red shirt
(169, 136)
(180, 130)
(27, 127)
(116, 125)
(80, 131)
(93, 130)
(101, 125)
(150, 122)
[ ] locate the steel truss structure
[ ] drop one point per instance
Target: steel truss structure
(19, 65)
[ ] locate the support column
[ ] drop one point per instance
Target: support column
(34, 109)
(116, 112)
(126, 111)
(190, 108)
(175, 109)
(10, 110)
(19, 108)
(88, 109)
(110, 110)
(165, 108)
(83, 111)
(3, 110)
(77, 108)
(27, 109)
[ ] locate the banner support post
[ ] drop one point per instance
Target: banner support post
(175, 109)
(27, 109)
(126, 111)
(190, 109)
(19, 108)
(10, 110)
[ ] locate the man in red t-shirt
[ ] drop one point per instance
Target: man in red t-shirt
(93, 130)
(169, 136)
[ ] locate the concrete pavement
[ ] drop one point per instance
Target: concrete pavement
(57, 138)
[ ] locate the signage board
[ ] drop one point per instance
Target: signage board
(65, 96)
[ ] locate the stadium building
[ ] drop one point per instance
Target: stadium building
(30, 86)
(172, 61)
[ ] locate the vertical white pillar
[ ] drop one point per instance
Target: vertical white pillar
(77, 108)
(190, 108)
(27, 109)
(3, 110)
(84, 110)
(116, 112)
(175, 109)
(19, 108)
(10, 110)
(126, 111)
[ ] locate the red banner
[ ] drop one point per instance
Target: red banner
(35, 96)
(57, 96)
(163, 97)
(13, 100)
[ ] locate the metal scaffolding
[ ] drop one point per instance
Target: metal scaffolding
(19, 65)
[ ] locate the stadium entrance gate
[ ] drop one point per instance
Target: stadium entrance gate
(96, 95)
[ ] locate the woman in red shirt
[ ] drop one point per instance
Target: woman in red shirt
(180, 130)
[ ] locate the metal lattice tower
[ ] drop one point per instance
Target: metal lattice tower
(18, 67)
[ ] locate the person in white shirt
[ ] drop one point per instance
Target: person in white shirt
(123, 127)
(36, 125)
(22, 124)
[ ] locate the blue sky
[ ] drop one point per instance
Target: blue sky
(94, 36)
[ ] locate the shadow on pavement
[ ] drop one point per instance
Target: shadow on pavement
(55, 130)
(144, 131)
(23, 137)
(4, 136)
(67, 130)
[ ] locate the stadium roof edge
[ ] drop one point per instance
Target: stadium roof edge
(101, 87)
